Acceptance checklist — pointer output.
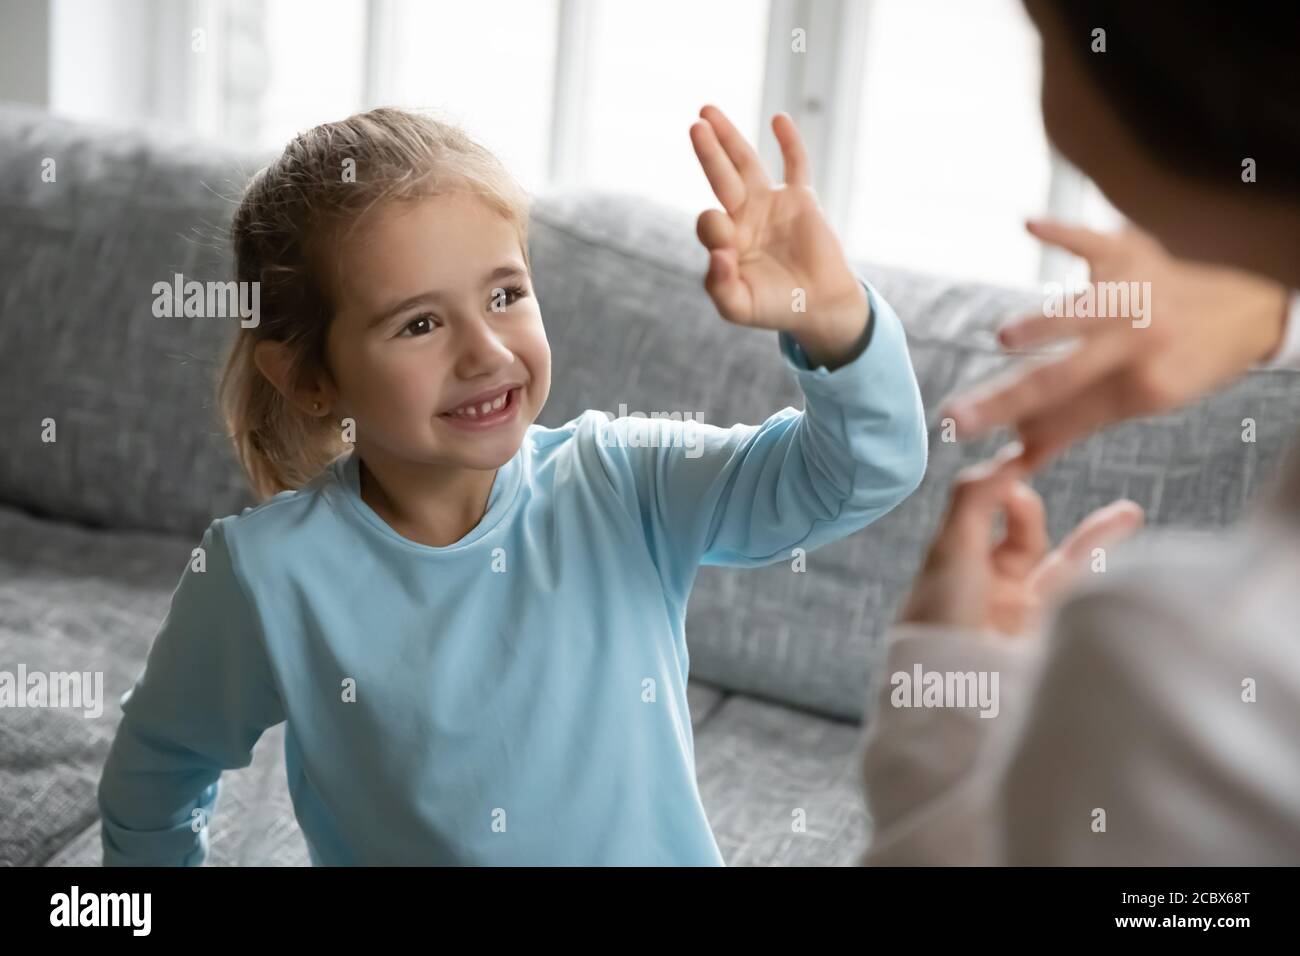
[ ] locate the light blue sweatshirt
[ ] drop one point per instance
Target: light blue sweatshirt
(518, 697)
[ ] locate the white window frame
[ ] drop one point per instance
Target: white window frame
(819, 92)
(1066, 187)
(820, 89)
(566, 162)
(381, 41)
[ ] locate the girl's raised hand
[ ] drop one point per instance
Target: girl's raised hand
(774, 261)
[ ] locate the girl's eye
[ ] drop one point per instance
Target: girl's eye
(424, 318)
(427, 320)
(513, 294)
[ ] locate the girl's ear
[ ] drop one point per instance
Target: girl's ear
(275, 361)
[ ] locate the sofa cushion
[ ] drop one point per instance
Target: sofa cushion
(71, 600)
(782, 787)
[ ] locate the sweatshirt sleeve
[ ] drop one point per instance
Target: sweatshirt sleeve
(929, 772)
(206, 695)
(1145, 748)
(748, 495)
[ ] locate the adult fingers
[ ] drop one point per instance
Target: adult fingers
(1051, 429)
(1029, 387)
(1025, 541)
(1082, 242)
(1104, 527)
(977, 495)
(1032, 331)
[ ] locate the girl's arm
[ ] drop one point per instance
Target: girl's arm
(750, 495)
(206, 695)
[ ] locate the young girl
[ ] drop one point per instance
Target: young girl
(474, 625)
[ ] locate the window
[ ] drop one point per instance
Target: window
(652, 66)
(921, 116)
(488, 66)
(951, 153)
(314, 65)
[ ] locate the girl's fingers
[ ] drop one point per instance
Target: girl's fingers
(722, 282)
(1082, 242)
(740, 152)
(718, 168)
(793, 155)
(715, 229)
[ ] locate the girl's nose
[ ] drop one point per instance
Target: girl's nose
(480, 348)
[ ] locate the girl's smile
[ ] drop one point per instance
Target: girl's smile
(485, 410)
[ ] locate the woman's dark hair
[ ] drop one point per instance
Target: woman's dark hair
(1202, 85)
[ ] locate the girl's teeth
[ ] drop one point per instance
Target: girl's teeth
(484, 409)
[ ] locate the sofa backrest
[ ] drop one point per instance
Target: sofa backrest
(620, 282)
(137, 442)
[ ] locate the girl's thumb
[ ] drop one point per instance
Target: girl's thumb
(722, 284)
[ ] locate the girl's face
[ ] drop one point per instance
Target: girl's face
(434, 310)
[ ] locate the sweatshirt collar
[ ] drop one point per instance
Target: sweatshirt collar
(505, 488)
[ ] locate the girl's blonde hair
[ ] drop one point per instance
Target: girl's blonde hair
(283, 234)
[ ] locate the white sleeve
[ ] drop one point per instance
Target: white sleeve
(1142, 747)
(1288, 354)
(929, 771)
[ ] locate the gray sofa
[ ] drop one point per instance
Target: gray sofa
(96, 526)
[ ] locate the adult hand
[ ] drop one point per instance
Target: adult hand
(1207, 326)
(969, 581)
